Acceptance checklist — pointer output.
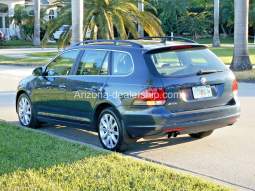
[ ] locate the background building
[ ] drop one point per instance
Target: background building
(7, 9)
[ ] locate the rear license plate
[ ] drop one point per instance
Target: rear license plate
(202, 92)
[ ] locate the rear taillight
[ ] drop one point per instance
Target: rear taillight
(151, 97)
(235, 87)
(1, 35)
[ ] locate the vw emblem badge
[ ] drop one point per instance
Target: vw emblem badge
(202, 80)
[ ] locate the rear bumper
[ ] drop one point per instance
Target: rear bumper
(154, 121)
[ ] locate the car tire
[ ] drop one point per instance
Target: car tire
(26, 114)
(111, 131)
(52, 38)
(201, 134)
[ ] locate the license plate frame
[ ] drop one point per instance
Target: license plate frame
(201, 92)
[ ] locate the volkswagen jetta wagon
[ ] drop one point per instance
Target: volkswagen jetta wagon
(126, 90)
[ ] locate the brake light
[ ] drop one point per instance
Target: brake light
(235, 87)
(151, 97)
(1, 35)
(180, 47)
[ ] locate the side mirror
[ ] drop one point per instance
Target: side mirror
(37, 71)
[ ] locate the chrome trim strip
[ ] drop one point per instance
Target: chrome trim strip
(64, 116)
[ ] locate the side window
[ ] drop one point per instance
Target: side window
(91, 62)
(104, 68)
(121, 63)
(62, 64)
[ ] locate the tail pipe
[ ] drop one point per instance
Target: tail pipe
(172, 134)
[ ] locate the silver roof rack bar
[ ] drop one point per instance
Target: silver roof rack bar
(115, 42)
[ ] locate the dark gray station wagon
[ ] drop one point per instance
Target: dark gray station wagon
(126, 90)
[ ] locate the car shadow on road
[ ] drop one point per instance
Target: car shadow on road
(90, 137)
(160, 143)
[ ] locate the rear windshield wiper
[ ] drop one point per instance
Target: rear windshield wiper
(201, 72)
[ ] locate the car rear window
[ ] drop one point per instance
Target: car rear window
(184, 62)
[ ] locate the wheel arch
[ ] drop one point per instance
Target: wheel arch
(21, 91)
(99, 108)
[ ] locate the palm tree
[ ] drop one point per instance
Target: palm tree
(77, 21)
(173, 9)
(241, 60)
(19, 17)
(216, 38)
(103, 18)
(24, 19)
(37, 23)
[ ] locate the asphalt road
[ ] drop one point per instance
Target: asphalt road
(227, 156)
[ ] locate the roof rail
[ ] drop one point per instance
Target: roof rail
(166, 38)
(115, 42)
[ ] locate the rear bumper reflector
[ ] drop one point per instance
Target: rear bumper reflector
(233, 120)
(174, 129)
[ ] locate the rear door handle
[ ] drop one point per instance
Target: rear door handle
(62, 86)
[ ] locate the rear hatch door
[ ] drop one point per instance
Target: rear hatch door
(193, 77)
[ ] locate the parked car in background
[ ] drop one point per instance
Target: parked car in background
(127, 90)
(57, 34)
(2, 38)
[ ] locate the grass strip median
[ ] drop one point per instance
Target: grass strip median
(43, 54)
(31, 160)
(23, 61)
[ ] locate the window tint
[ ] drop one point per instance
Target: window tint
(104, 68)
(121, 63)
(91, 62)
(182, 63)
(62, 64)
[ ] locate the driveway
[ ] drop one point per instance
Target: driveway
(227, 156)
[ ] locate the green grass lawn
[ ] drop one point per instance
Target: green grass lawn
(31, 160)
(226, 54)
(245, 76)
(23, 61)
(223, 41)
(25, 44)
(43, 54)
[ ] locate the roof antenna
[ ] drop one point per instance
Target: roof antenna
(164, 41)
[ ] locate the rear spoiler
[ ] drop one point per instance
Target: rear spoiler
(174, 48)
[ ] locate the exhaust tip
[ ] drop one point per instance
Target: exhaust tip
(172, 134)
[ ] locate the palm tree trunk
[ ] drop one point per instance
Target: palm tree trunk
(140, 29)
(77, 21)
(241, 60)
(223, 29)
(216, 38)
(37, 23)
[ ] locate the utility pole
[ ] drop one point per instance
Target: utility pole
(140, 29)
(36, 41)
(77, 21)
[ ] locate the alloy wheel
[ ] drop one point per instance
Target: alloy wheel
(109, 131)
(24, 111)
